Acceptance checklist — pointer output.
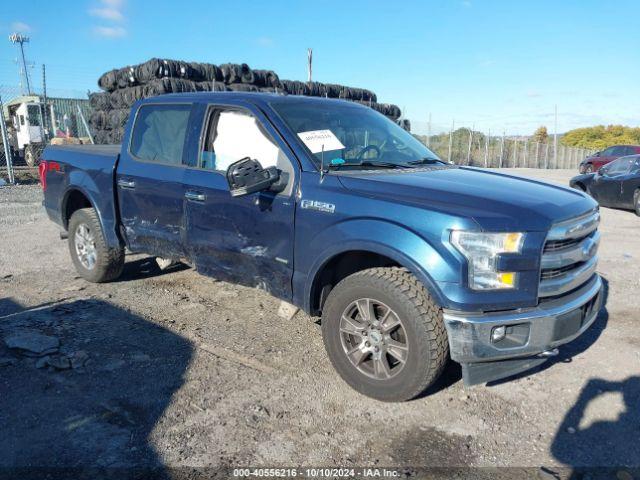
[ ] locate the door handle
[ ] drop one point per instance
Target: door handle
(126, 183)
(195, 196)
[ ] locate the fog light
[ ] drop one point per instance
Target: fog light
(498, 334)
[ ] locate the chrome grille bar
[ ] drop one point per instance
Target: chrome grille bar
(564, 268)
(575, 228)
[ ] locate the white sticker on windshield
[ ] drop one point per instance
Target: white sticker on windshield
(316, 139)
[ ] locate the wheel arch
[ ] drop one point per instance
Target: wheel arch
(76, 197)
(354, 258)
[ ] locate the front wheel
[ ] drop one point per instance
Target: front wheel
(30, 156)
(636, 202)
(589, 169)
(384, 334)
(91, 256)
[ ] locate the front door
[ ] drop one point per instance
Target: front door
(608, 182)
(249, 239)
(149, 180)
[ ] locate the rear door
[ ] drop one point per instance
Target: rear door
(605, 157)
(149, 180)
(249, 239)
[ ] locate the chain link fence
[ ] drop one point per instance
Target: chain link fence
(32, 120)
(467, 146)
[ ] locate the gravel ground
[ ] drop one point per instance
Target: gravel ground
(172, 369)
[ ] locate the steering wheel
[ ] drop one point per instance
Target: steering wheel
(366, 149)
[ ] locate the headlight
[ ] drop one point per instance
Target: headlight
(481, 251)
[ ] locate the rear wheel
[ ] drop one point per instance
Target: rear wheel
(384, 334)
(636, 202)
(93, 260)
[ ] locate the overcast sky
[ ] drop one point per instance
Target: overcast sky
(501, 65)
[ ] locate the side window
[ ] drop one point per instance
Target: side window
(620, 166)
(33, 111)
(630, 150)
(233, 134)
(618, 151)
(606, 152)
(21, 119)
(159, 133)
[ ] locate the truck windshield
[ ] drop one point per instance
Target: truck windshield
(350, 136)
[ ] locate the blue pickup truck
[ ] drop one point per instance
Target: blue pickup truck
(409, 260)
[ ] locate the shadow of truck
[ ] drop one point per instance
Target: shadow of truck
(602, 442)
(98, 413)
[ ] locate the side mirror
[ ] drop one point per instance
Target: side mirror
(597, 154)
(247, 176)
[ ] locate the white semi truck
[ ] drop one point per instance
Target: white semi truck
(29, 130)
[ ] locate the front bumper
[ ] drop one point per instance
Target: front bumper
(529, 332)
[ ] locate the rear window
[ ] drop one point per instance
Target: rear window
(159, 132)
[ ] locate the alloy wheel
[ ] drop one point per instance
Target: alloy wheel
(85, 244)
(374, 338)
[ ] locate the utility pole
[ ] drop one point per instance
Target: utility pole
(45, 107)
(501, 150)
(5, 143)
(309, 64)
(453, 124)
(429, 132)
(19, 39)
(555, 136)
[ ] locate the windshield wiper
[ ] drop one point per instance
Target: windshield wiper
(369, 163)
(426, 161)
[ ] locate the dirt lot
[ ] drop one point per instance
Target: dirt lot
(172, 369)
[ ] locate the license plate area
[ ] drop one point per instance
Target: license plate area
(571, 322)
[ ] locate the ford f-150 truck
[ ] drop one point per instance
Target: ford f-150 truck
(328, 205)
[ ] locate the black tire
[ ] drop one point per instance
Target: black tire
(636, 202)
(108, 262)
(423, 330)
(30, 156)
(589, 169)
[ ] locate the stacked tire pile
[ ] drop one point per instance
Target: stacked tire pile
(124, 86)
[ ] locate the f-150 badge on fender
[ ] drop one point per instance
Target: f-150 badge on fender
(317, 205)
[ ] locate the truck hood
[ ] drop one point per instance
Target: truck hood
(496, 201)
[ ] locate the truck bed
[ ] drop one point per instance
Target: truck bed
(75, 172)
(101, 150)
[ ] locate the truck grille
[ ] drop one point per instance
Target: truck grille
(569, 257)
(554, 245)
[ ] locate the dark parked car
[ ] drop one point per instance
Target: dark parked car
(616, 185)
(599, 159)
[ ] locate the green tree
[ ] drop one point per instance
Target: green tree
(541, 135)
(601, 137)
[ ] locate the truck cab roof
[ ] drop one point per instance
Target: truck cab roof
(258, 98)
